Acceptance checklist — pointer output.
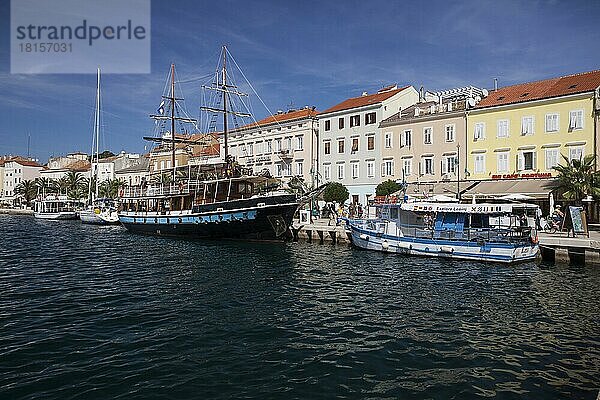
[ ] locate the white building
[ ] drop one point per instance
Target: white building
(285, 144)
(135, 174)
(60, 166)
(107, 167)
(351, 143)
(15, 171)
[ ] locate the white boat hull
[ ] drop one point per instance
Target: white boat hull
(453, 249)
(102, 218)
(57, 215)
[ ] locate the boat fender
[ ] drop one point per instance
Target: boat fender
(180, 220)
(535, 239)
(385, 245)
(446, 249)
(364, 237)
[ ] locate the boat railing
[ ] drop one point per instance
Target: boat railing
(161, 189)
(493, 234)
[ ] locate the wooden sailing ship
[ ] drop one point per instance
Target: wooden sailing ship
(222, 201)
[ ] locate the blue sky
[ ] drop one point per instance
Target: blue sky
(302, 53)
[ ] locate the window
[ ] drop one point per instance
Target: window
(449, 164)
(479, 161)
(576, 119)
(576, 153)
(327, 147)
(502, 161)
(502, 128)
(299, 168)
(407, 166)
(388, 140)
(406, 138)
(328, 125)
(370, 118)
(354, 169)
(479, 131)
(551, 122)
(427, 166)
(168, 164)
(551, 158)
(427, 135)
(354, 121)
(327, 171)
(527, 126)
(259, 148)
(288, 143)
(250, 149)
(299, 143)
(155, 165)
(526, 160)
(370, 168)
(341, 170)
(269, 146)
(278, 145)
(387, 168)
(450, 133)
(354, 145)
(162, 165)
(288, 169)
(340, 146)
(341, 123)
(371, 142)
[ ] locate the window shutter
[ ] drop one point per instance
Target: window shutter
(403, 139)
(572, 119)
(534, 160)
(383, 169)
(520, 161)
(444, 165)
(432, 166)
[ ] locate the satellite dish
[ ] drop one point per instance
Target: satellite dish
(477, 99)
(471, 102)
(484, 92)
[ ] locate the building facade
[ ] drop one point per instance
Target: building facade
(523, 131)
(350, 141)
(426, 142)
(284, 144)
(107, 167)
(136, 174)
(17, 170)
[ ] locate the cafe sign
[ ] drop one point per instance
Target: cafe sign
(533, 175)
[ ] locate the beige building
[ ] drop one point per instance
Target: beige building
(187, 152)
(426, 142)
(15, 171)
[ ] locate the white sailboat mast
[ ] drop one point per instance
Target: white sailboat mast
(97, 128)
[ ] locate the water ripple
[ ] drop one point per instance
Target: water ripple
(94, 312)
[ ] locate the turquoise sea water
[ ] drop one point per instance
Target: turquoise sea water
(90, 312)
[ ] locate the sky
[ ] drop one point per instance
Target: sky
(315, 53)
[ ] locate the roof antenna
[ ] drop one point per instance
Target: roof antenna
(495, 84)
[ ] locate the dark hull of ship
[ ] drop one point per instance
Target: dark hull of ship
(265, 218)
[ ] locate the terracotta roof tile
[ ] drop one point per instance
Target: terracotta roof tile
(281, 117)
(362, 101)
(554, 87)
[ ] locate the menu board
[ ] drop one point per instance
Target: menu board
(578, 219)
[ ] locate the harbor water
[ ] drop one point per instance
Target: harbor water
(92, 312)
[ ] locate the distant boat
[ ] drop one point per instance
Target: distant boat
(482, 232)
(56, 208)
(98, 211)
(224, 201)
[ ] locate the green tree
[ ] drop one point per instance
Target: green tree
(335, 191)
(76, 184)
(387, 187)
(577, 178)
(110, 188)
(27, 190)
(43, 185)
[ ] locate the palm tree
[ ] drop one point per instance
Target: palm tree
(75, 184)
(26, 189)
(110, 188)
(577, 178)
(42, 185)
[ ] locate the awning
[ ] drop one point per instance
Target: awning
(428, 190)
(535, 188)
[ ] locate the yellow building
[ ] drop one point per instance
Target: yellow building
(522, 131)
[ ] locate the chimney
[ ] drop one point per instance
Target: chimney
(364, 94)
(421, 94)
(495, 84)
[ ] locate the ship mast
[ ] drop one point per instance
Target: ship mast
(173, 122)
(224, 87)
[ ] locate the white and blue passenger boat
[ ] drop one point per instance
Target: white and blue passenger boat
(502, 233)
